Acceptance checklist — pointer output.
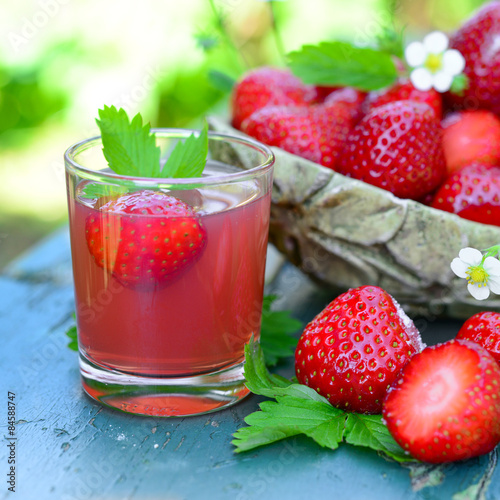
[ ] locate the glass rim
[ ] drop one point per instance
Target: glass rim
(269, 159)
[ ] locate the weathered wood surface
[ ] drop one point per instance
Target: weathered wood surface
(72, 448)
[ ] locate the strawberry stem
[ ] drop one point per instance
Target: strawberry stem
(221, 25)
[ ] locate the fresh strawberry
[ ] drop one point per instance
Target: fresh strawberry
(316, 133)
(444, 406)
(323, 91)
(145, 237)
(267, 86)
(352, 351)
(396, 147)
(404, 90)
(472, 193)
(351, 97)
(484, 329)
(470, 136)
(477, 40)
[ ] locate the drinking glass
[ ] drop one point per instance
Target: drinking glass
(162, 328)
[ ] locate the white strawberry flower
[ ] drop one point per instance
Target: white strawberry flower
(434, 64)
(482, 273)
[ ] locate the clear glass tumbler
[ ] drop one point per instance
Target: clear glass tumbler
(166, 303)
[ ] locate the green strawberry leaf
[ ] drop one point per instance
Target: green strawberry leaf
(129, 147)
(72, 334)
(275, 333)
(188, 158)
(370, 431)
(298, 409)
(287, 417)
(459, 84)
(257, 376)
(97, 190)
(342, 64)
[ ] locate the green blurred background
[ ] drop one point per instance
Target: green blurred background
(60, 60)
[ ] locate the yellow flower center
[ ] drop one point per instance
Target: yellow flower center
(477, 275)
(434, 62)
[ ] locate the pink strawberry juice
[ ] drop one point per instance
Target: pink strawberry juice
(199, 321)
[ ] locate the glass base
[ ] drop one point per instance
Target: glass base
(164, 397)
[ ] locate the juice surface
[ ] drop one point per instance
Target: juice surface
(196, 323)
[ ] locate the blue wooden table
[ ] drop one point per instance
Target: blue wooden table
(71, 448)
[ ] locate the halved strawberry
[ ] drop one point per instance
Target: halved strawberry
(484, 329)
(445, 404)
(353, 350)
(145, 237)
(267, 86)
(472, 193)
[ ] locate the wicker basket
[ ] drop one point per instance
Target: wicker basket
(345, 233)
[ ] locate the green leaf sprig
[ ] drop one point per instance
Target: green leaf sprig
(343, 64)
(130, 149)
(71, 332)
(298, 409)
(276, 332)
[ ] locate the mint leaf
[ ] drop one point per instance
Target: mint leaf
(98, 190)
(129, 147)
(276, 327)
(371, 432)
(188, 158)
(342, 64)
(72, 334)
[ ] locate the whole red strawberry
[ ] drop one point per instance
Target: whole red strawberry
(477, 40)
(484, 329)
(444, 405)
(145, 238)
(472, 193)
(396, 147)
(267, 86)
(316, 133)
(471, 136)
(404, 90)
(352, 351)
(351, 97)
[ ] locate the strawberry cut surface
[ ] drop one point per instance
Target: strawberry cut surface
(145, 238)
(444, 406)
(352, 351)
